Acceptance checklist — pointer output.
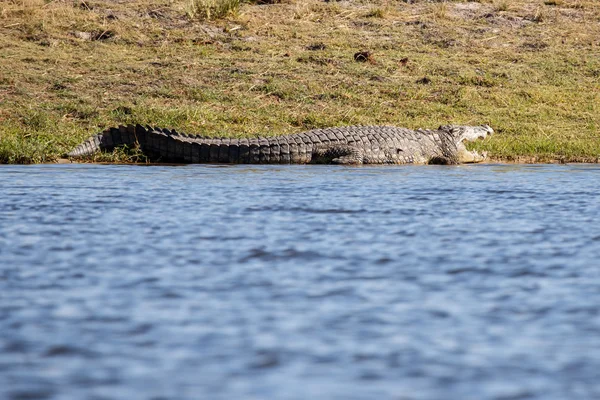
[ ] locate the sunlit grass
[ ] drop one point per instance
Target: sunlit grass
(70, 69)
(212, 9)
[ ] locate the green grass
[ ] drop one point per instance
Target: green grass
(527, 68)
(212, 9)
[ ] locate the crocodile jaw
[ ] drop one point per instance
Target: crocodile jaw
(466, 157)
(470, 134)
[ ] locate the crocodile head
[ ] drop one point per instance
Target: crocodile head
(465, 133)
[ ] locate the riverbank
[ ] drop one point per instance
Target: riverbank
(503, 160)
(530, 69)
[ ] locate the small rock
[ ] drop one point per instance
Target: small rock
(316, 46)
(424, 81)
(364, 56)
(83, 35)
(102, 35)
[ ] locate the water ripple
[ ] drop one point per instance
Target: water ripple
(295, 282)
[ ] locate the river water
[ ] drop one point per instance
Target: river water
(300, 282)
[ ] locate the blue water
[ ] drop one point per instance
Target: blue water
(300, 282)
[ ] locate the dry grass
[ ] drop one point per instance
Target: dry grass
(530, 69)
(212, 9)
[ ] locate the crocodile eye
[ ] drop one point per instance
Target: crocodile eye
(398, 151)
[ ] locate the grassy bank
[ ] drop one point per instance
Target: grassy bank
(530, 69)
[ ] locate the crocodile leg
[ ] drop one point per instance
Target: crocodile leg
(337, 154)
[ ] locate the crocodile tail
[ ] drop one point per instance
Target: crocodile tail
(110, 139)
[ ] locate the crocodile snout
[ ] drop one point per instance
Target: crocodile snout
(488, 130)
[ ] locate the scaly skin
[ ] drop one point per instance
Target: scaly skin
(343, 145)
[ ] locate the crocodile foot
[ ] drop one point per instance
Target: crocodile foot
(337, 154)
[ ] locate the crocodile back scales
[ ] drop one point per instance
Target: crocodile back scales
(377, 144)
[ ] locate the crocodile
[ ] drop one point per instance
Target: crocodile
(340, 145)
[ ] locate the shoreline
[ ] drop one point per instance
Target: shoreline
(506, 161)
